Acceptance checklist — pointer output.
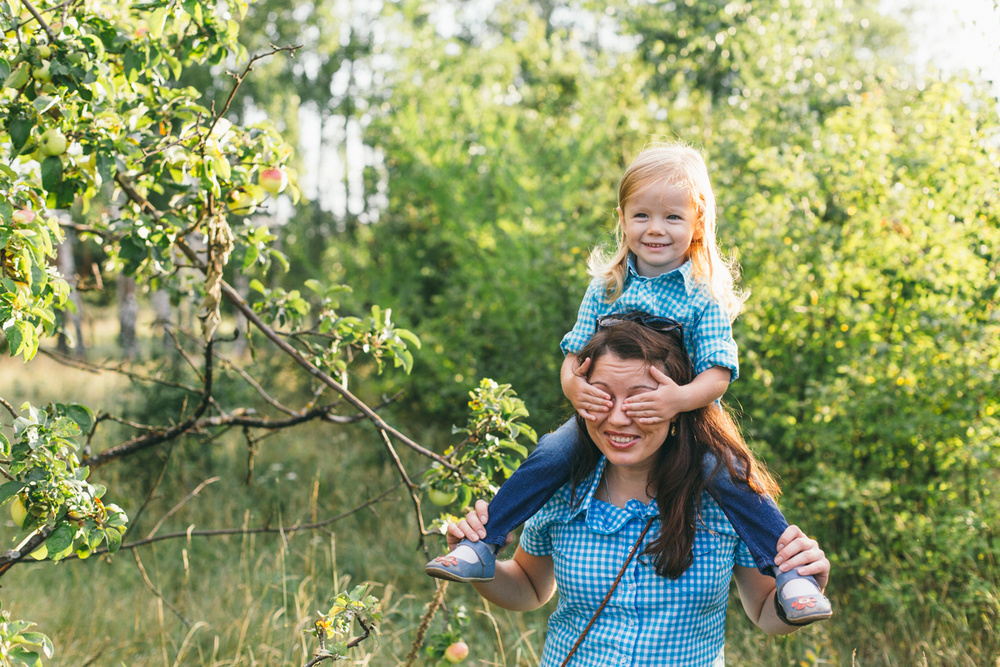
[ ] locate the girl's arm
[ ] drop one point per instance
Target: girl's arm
(757, 591)
(524, 583)
(670, 399)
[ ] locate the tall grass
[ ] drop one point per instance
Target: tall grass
(247, 600)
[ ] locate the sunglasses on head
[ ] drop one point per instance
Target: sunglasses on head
(661, 324)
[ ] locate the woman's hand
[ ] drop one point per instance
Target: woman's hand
(796, 550)
(472, 527)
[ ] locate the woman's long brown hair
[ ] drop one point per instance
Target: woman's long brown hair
(677, 480)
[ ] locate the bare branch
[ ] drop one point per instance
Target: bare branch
(9, 558)
(239, 81)
(252, 531)
(160, 435)
(38, 17)
(410, 487)
(156, 592)
(195, 492)
(10, 408)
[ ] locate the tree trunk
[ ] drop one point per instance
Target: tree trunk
(128, 309)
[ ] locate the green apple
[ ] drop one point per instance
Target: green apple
(18, 512)
(457, 652)
(53, 142)
(241, 200)
(43, 51)
(43, 73)
(441, 497)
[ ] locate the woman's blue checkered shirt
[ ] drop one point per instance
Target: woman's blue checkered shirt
(650, 620)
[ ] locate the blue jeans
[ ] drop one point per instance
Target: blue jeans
(756, 519)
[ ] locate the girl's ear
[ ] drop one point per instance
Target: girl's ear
(621, 216)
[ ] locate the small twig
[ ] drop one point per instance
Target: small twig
(10, 408)
(192, 494)
(157, 593)
(239, 80)
(250, 531)
(38, 17)
(410, 487)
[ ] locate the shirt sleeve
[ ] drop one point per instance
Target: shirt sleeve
(536, 537)
(743, 556)
(712, 340)
(586, 319)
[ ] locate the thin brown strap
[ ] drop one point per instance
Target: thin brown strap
(621, 573)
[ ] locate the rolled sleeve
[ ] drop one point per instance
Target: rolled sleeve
(712, 341)
(536, 540)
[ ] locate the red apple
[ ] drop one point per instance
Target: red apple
(23, 216)
(273, 180)
(457, 652)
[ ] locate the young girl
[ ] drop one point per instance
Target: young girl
(666, 273)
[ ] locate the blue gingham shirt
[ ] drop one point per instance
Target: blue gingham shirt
(650, 620)
(708, 334)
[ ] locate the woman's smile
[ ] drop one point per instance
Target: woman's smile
(624, 441)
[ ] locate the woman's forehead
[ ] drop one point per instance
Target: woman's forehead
(610, 369)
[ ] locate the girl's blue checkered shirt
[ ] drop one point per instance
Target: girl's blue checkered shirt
(650, 620)
(708, 334)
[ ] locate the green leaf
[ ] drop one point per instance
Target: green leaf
(409, 336)
(9, 489)
(52, 173)
(60, 541)
(114, 539)
(20, 132)
(81, 414)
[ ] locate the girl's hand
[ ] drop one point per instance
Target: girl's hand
(587, 399)
(796, 550)
(472, 527)
(663, 404)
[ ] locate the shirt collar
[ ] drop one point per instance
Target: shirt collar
(607, 519)
(683, 272)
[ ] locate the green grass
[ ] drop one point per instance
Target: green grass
(247, 600)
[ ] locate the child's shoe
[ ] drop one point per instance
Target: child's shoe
(468, 561)
(798, 599)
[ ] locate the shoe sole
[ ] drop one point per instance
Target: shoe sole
(806, 620)
(448, 576)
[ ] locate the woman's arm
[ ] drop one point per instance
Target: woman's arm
(757, 591)
(523, 583)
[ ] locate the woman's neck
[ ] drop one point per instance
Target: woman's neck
(623, 484)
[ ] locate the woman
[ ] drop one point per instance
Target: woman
(668, 608)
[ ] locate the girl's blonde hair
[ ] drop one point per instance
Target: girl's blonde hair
(681, 165)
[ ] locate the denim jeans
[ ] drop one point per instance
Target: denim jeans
(756, 519)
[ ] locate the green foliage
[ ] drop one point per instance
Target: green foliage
(490, 451)
(873, 329)
(31, 288)
(19, 648)
(48, 489)
(335, 340)
(333, 629)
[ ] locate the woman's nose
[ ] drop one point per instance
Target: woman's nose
(618, 414)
